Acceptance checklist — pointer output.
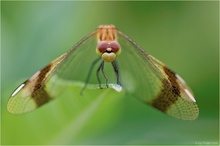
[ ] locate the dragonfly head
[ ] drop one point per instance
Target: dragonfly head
(108, 51)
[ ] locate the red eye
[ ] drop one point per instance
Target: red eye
(102, 46)
(115, 46)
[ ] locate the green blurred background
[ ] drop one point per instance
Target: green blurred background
(184, 35)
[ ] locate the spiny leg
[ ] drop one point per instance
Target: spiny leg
(116, 72)
(106, 79)
(101, 67)
(97, 74)
(89, 74)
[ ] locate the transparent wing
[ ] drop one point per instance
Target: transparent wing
(43, 86)
(141, 75)
(153, 83)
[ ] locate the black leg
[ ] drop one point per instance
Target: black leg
(106, 79)
(116, 72)
(89, 74)
(101, 66)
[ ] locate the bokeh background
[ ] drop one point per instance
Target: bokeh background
(184, 35)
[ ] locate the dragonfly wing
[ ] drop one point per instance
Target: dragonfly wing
(141, 75)
(175, 98)
(42, 86)
(153, 83)
(32, 93)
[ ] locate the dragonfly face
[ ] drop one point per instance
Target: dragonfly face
(136, 72)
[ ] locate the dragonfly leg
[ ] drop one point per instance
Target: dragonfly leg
(101, 67)
(106, 79)
(116, 72)
(89, 74)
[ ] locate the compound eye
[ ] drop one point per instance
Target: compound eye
(102, 46)
(115, 46)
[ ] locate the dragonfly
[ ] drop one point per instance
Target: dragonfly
(129, 68)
